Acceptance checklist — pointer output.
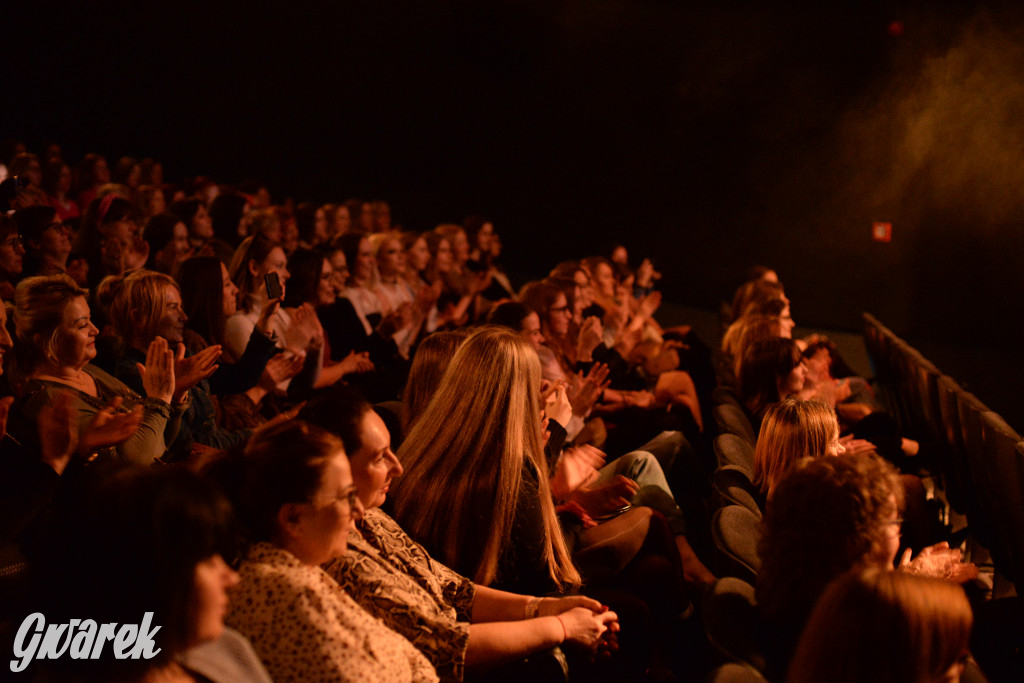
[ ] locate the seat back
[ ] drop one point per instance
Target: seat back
(733, 623)
(959, 489)
(731, 449)
(735, 533)
(735, 488)
(981, 515)
(1002, 459)
(732, 420)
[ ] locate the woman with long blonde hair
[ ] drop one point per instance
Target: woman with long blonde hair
(793, 429)
(475, 492)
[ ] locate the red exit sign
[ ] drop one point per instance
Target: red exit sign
(881, 232)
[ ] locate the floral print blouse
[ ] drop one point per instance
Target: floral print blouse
(394, 579)
(306, 628)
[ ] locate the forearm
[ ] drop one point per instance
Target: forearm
(491, 604)
(147, 444)
(496, 643)
(329, 375)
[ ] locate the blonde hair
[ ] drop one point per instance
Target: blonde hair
(792, 429)
(138, 304)
(39, 305)
(746, 332)
(432, 358)
(880, 625)
(465, 455)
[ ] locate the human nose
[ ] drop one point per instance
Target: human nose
(396, 466)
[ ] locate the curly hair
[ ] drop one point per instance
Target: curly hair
(826, 516)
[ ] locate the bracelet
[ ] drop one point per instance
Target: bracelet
(532, 607)
(565, 635)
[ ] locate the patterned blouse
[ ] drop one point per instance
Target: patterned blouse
(305, 628)
(394, 579)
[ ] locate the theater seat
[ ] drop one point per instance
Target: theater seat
(1003, 453)
(735, 533)
(731, 449)
(732, 420)
(733, 624)
(735, 488)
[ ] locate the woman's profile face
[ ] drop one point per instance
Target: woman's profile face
(331, 514)
(559, 315)
(54, 240)
(342, 220)
(208, 603)
(325, 294)
(320, 226)
(276, 262)
(529, 329)
(202, 224)
(364, 261)
(460, 247)
(339, 271)
(375, 464)
(484, 237)
(391, 258)
(604, 279)
(229, 293)
(76, 336)
(12, 252)
(417, 256)
(793, 382)
(443, 257)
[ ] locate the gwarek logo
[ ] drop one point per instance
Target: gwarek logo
(81, 639)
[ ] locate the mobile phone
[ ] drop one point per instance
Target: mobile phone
(273, 285)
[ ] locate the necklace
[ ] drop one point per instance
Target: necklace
(80, 380)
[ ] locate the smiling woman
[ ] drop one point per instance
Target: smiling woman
(57, 341)
(146, 308)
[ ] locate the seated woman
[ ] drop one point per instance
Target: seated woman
(147, 307)
(791, 430)
(46, 239)
(394, 291)
(12, 257)
(772, 369)
(149, 541)
(478, 447)
(56, 341)
(169, 246)
(300, 504)
(312, 283)
(459, 626)
(746, 332)
(877, 625)
(296, 331)
(109, 238)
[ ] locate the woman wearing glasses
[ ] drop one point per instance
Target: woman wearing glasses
(12, 254)
(299, 502)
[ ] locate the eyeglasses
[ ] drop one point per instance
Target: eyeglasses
(13, 242)
(59, 227)
(353, 499)
(559, 309)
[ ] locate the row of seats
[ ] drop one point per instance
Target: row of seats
(731, 620)
(979, 457)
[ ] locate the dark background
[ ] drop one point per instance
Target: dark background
(709, 138)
